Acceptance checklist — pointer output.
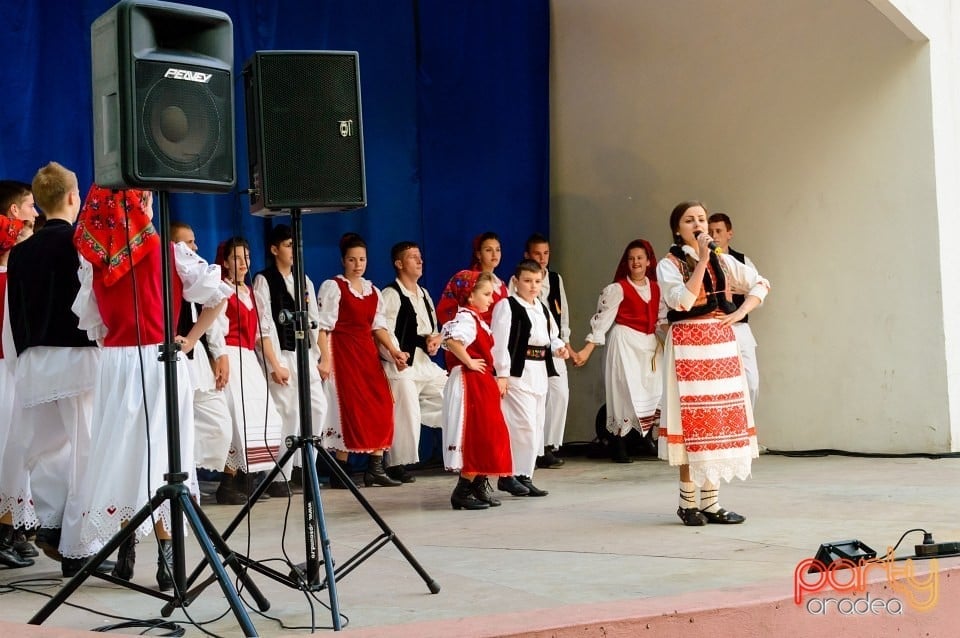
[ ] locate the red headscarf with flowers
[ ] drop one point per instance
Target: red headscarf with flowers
(114, 232)
(9, 231)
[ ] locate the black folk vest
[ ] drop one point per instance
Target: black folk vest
(406, 328)
(518, 341)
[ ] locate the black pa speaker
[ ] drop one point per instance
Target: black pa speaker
(163, 97)
(304, 133)
(852, 550)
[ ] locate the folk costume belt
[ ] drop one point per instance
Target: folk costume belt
(537, 353)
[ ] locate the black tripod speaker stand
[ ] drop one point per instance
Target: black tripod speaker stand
(311, 448)
(174, 491)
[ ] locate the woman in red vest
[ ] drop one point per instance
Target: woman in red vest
(633, 379)
(360, 414)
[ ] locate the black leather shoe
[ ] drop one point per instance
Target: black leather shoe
(22, 546)
(70, 567)
(722, 517)
(532, 490)
(48, 540)
(10, 558)
(691, 516)
(165, 565)
(280, 489)
(296, 478)
(549, 460)
(227, 494)
(126, 559)
(400, 473)
(512, 485)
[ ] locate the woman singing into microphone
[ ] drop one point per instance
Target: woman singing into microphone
(707, 426)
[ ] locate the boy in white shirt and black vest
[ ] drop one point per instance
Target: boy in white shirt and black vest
(418, 388)
(721, 229)
(552, 293)
(273, 289)
(525, 341)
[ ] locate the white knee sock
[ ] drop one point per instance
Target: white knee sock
(710, 497)
(688, 494)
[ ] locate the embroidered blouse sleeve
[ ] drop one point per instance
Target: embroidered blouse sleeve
(261, 295)
(607, 307)
(462, 328)
(85, 305)
(564, 314)
(390, 302)
(313, 317)
(745, 277)
(216, 335)
(673, 290)
(9, 346)
(201, 281)
(553, 330)
(380, 318)
(328, 302)
(500, 326)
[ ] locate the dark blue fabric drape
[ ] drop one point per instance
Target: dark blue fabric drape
(455, 119)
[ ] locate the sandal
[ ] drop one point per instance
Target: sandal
(691, 516)
(722, 517)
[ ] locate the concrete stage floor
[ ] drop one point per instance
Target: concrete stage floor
(607, 532)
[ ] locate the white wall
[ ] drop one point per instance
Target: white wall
(810, 122)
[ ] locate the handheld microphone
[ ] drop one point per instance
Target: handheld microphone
(713, 246)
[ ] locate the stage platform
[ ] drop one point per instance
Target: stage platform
(603, 555)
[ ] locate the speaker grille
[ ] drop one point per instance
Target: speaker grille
(184, 125)
(310, 130)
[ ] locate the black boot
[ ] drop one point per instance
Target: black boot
(8, 555)
(335, 482)
(227, 492)
(165, 564)
(463, 498)
(375, 474)
(126, 557)
(483, 492)
(22, 546)
(618, 450)
(247, 483)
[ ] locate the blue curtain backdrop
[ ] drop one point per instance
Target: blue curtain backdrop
(455, 119)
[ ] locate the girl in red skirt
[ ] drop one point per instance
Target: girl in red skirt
(475, 438)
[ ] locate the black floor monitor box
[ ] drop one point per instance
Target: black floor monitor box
(304, 133)
(163, 97)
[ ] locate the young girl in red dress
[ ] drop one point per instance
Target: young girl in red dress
(360, 407)
(476, 441)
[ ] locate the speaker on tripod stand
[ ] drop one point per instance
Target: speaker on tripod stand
(306, 154)
(163, 105)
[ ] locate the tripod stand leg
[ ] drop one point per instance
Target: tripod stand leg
(313, 485)
(200, 530)
(334, 468)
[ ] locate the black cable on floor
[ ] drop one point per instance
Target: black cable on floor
(867, 455)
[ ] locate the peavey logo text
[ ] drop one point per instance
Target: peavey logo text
(192, 76)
